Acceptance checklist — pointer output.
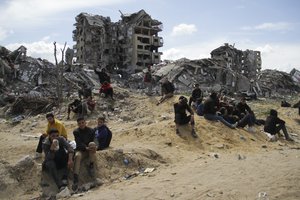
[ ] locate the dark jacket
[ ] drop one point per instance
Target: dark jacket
(242, 108)
(196, 93)
(167, 87)
(210, 106)
(271, 123)
(83, 137)
(103, 76)
(180, 109)
(103, 136)
(56, 155)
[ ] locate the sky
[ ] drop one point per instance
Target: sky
(191, 28)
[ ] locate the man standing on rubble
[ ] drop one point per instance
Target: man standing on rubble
(52, 123)
(103, 76)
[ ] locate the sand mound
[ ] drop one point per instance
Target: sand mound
(145, 152)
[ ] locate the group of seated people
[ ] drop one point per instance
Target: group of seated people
(61, 155)
(218, 107)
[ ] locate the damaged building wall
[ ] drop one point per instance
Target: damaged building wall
(131, 43)
(246, 63)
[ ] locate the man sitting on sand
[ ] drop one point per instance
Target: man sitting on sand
(58, 156)
(52, 123)
(274, 124)
(167, 90)
(85, 147)
(181, 117)
(210, 109)
(103, 134)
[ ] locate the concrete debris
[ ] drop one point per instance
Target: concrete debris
(277, 83)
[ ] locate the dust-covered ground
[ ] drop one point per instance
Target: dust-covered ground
(221, 163)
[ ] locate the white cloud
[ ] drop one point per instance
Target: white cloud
(193, 51)
(184, 29)
(279, 26)
(283, 57)
(40, 49)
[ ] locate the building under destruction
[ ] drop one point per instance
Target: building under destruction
(131, 44)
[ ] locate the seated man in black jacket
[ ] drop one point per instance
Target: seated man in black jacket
(181, 117)
(85, 147)
(274, 124)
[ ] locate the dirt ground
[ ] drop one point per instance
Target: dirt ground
(221, 163)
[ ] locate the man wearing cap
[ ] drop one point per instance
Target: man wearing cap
(181, 117)
(58, 156)
(52, 123)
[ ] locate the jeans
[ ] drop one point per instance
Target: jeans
(214, 117)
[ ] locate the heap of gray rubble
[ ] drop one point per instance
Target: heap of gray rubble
(29, 85)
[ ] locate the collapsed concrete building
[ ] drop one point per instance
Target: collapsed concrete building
(131, 44)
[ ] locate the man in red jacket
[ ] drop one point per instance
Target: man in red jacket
(107, 90)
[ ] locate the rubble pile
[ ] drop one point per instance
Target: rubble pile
(29, 85)
(277, 83)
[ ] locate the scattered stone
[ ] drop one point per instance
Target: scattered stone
(264, 146)
(241, 157)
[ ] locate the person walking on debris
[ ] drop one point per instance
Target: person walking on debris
(148, 81)
(103, 76)
(181, 117)
(107, 90)
(196, 94)
(58, 156)
(167, 91)
(77, 107)
(52, 123)
(85, 147)
(103, 134)
(274, 124)
(210, 108)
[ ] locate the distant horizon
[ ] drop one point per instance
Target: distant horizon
(191, 29)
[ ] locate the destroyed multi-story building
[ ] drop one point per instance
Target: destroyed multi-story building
(131, 44)
(239, 63)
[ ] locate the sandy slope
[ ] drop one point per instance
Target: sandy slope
(221, 164)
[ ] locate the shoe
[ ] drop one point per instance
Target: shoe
(177, 132)
(251, 129)
(289, 139)
(37, 155)
(235, 125)
(194, 134)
